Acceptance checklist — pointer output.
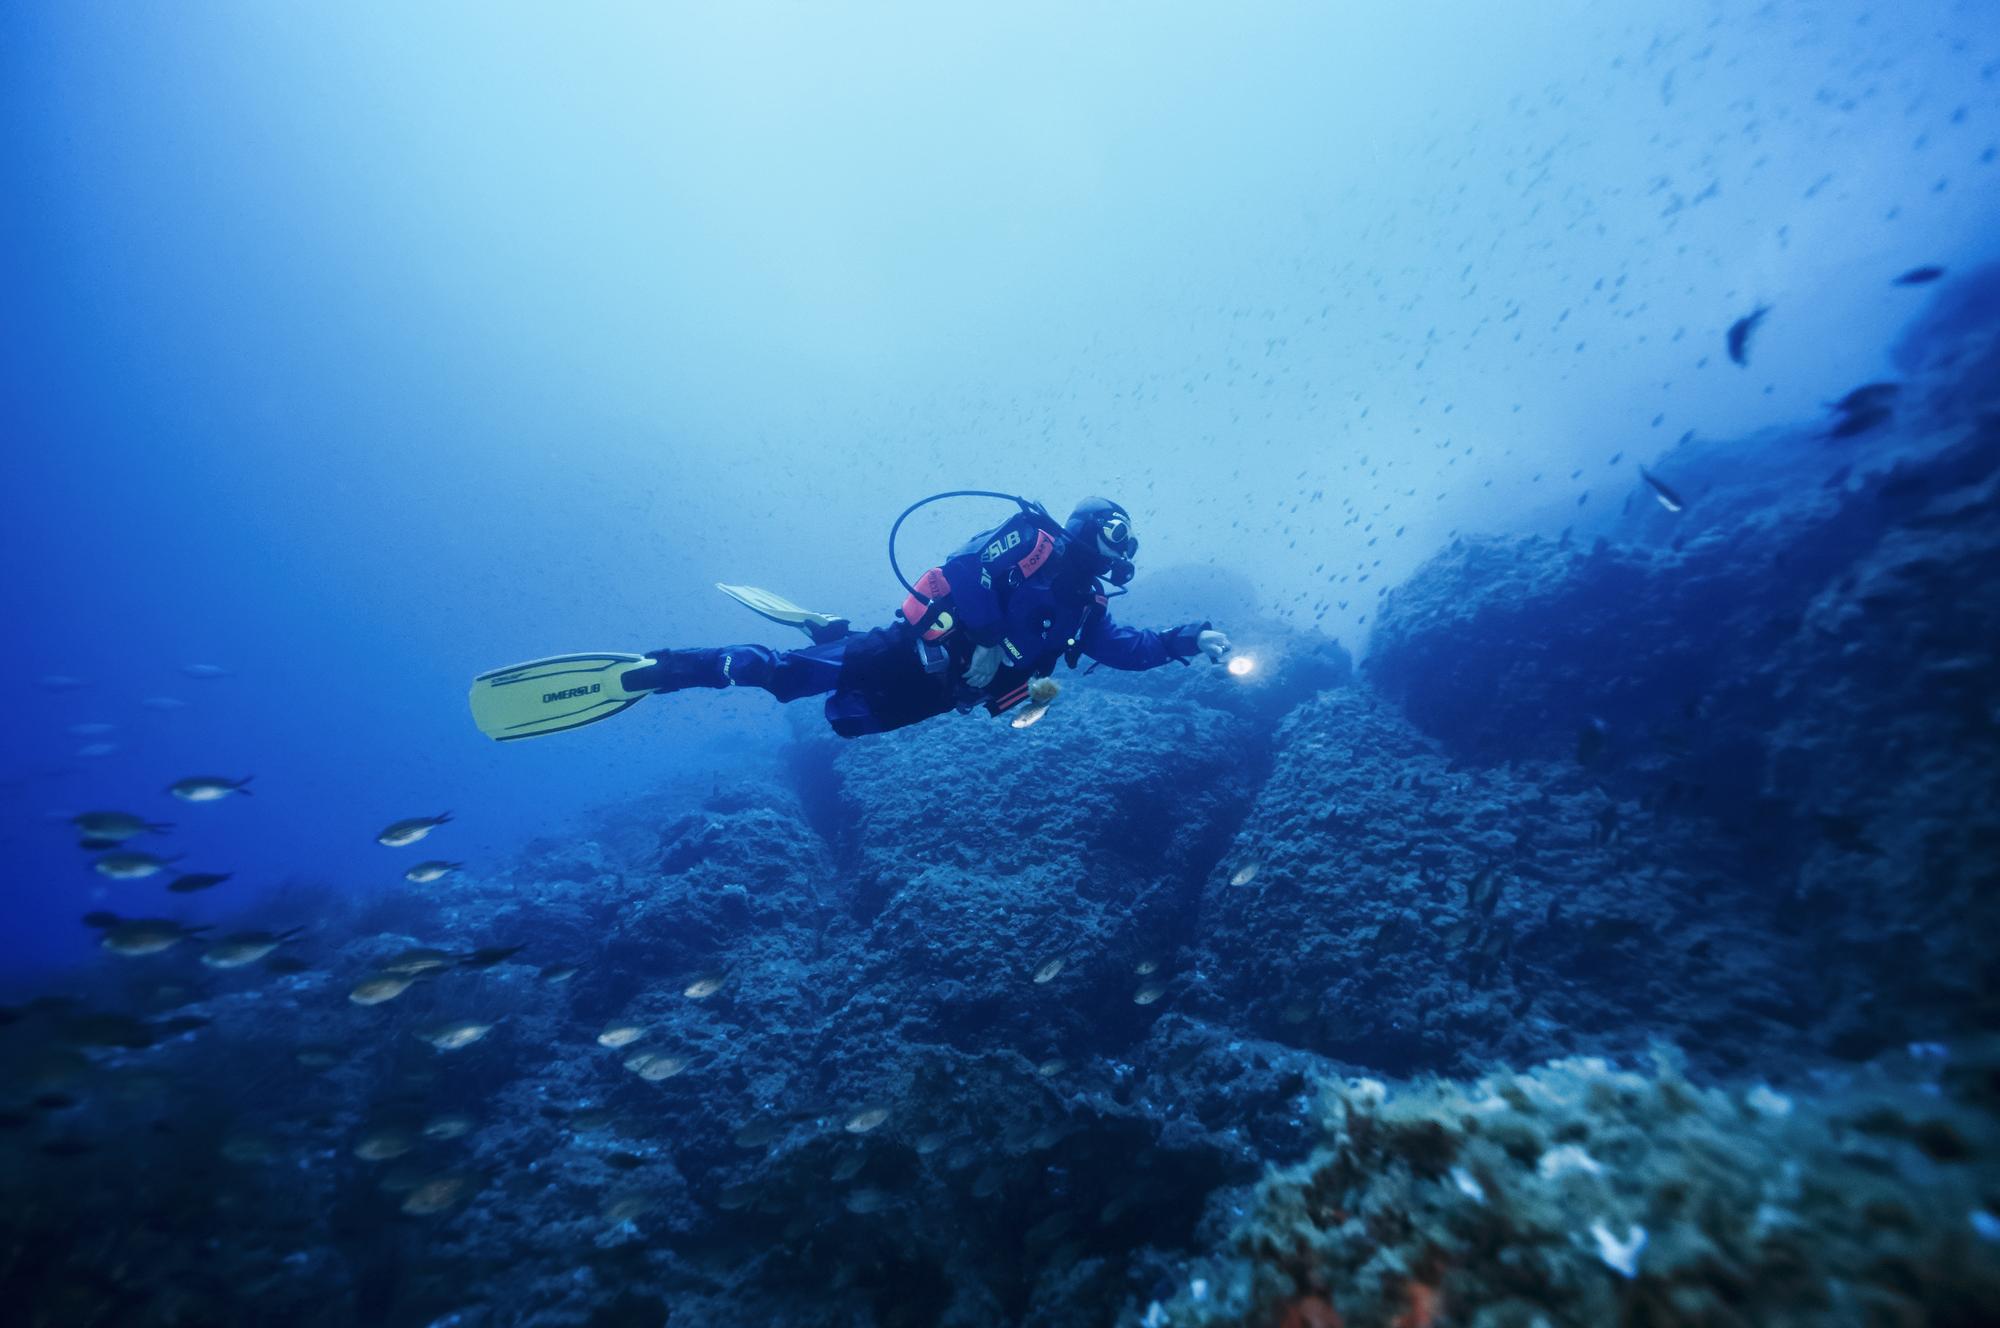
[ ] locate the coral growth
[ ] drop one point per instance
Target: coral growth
(1700, 1205)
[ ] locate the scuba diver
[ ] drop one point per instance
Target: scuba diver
(985, 627)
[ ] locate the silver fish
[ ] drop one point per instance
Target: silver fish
(400, 833)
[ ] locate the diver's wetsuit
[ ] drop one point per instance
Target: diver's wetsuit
(1020, 587)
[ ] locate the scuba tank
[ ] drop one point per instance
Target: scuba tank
(926, 608)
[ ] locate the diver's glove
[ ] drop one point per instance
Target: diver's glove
(1214, 644)
(979, 670)
(1189, 640)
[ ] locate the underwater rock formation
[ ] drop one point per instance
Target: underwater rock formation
(1395, 909)
(972, 1024)
(1802, 681)
(1578, 1193)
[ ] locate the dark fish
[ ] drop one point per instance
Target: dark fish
(193, 881)
(1590, 741)
(1482, 892)
(624, 1161)
(1868, 396)
(1847, 832)
(1857, 422)
(1919, 276)
(1667, 497)
(101, 920)
(488, 956)
(1740, 330)
(284, 965)
(1864, 408)
(399, 833)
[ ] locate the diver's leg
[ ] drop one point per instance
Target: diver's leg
(785, 674)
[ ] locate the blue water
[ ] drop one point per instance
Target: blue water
(354, 351)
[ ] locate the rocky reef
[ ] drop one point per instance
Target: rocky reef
(1581, 1193)
(975, 1024)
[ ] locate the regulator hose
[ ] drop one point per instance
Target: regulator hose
(1025, 504)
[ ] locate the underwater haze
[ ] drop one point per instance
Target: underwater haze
(1565, 893)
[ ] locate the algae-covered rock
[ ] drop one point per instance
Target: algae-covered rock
(1579, 1193)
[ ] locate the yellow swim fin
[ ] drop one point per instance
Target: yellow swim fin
(821, 627)
(550, 695)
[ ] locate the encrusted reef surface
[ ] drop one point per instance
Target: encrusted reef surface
(1581, 1193)
(974, 1025)
(1786, 696)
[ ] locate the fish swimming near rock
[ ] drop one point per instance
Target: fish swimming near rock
(319, 1056)
(398, 834)
(1868, 395)
(208, 788)
(384, 1143)
(454, 1034)
(1667, 497)
(244, 948)
(1919, 276)
(621, 1208)
(1590, 736)
(1847, 832)
(489, 956)
(109, 829)
(654, 1067)
(194, 881)
(760, 1132)
(380, 988)
(145, 936)
(1482, 891)
(1866, 407)
(439, 1194)
(417, 961)
(131, 865)
(451, 1125)
(1042, 693)
(620, 1035)
(1741, 331)
(703, 987)
(865, 1120)
(1049, 971)
(426, 872)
